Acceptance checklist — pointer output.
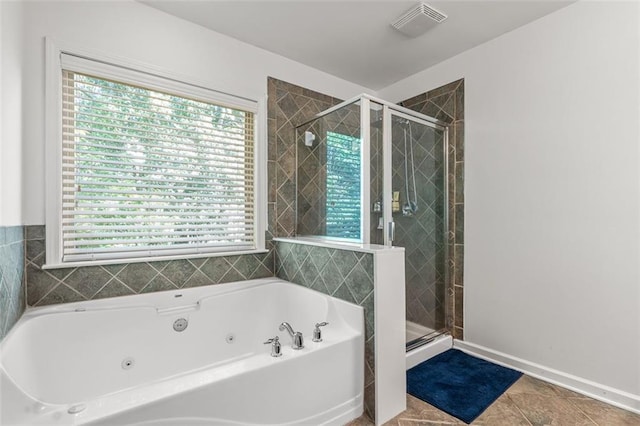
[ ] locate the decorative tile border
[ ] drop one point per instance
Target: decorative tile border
(344, 274)
(12, 291)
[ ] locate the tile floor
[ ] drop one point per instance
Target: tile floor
(528, 402)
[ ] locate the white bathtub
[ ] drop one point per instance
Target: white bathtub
(120, 362)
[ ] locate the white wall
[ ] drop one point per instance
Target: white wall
(552, 190)
(133, 30)
(10, 113)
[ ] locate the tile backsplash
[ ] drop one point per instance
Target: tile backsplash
(12, 291)
(45, 287)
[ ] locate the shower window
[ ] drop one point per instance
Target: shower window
(343, 186)
(149, 168)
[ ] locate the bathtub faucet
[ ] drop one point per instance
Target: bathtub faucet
(295, 335)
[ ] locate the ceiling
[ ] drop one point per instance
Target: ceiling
(354, 40)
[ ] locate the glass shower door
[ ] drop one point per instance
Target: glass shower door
(418, 218)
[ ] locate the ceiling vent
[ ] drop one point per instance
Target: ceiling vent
(418, 20)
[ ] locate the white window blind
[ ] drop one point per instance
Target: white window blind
(147, 172)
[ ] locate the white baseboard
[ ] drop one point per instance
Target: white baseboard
(580, 385)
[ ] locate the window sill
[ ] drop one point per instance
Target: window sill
(150, 259)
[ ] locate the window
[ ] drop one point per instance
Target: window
(152, 168)
(343, 186)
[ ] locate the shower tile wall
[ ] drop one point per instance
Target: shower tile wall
(288, 106)
(12, 293)
(421, 234)
(312, 167)
(347, 275)
(446, 103)
(311, 183)
(376, 179)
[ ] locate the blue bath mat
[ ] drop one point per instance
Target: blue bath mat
(459, 384)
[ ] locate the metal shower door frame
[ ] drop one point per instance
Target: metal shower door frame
(389, 109)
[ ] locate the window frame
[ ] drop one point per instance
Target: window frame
(128, 71)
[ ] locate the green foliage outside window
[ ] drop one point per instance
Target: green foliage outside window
(146, 168)
(343, 186)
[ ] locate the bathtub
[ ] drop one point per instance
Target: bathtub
(185, 357)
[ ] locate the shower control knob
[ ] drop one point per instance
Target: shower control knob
(317, 334)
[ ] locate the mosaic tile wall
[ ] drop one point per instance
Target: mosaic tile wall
(45, 287)
(418, 153)
(311, 184)
(347, 275)
(446, 103)
(12, 292)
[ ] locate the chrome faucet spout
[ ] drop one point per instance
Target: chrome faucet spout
(286, 326)
(296, 336)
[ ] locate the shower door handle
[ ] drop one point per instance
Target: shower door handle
(392, 231)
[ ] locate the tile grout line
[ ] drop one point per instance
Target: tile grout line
(519, 410)
(52, 288)
(568, 399)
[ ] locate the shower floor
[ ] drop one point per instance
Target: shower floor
(415, 331)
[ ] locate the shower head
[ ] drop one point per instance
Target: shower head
(309, 138)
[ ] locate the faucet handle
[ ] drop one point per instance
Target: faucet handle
(317, 334)
(276, 347)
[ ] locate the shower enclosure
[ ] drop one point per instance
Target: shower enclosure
(369, 171)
